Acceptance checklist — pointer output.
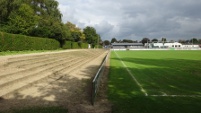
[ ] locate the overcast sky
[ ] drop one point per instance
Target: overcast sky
(136, 19)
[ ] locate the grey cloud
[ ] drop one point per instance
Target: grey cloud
(104, 27)
(134, 19)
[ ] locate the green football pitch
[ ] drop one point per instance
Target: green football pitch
(155, 81)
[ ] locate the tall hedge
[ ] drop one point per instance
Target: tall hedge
(15, 42)
(75, 45)
(67, 45)
(98, 46)
(85, 45)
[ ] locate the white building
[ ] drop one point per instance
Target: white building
(170, 45)
(190, 46)
(174, 45)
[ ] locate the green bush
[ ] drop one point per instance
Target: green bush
(67, 45)
(85, 45)
(75, 45)
(15, 42)
(98, 46)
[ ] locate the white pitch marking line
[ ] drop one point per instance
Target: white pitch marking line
(175, 95)
(141, 88)
(163, 93)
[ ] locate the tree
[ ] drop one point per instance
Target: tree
(113, 40)
(145, 40)
(7, 7)
(32, 17)
(91, 36)
(50, 16)
(199, 41)
(154, 40)
(182, 41)
(72, 26)
(187, 41)
(106, 42)
(163, 40)
(23, 20)
(127, 41)
(76, 33)
(45, 8)
(194, 41)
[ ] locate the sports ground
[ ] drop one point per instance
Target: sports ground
(155, 81)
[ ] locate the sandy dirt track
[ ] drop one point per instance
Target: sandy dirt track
(49, 79)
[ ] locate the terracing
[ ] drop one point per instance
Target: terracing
(48, 79)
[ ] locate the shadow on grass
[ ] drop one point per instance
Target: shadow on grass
(156, 76)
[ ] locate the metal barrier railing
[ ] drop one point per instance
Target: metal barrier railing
(96, 80)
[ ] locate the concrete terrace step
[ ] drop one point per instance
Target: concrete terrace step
(37, 63)
(21, 82)
(20, 67)
(38, 68)
(29, 61)
(22, 59)
(33, 67)
(8, 66)
(7, 78)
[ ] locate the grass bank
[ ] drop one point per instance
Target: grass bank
(4, 53)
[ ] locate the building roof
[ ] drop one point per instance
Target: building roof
(127, 44)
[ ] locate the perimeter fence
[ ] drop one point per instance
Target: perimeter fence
(96, 80)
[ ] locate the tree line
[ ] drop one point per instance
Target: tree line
(42, 18)
(147, 40)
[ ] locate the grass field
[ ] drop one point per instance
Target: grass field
(155, 81)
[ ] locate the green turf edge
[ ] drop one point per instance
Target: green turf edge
(6, 53)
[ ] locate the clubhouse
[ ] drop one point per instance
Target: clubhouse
(127, 45)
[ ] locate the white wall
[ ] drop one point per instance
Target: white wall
(174, 45)
(186, 46)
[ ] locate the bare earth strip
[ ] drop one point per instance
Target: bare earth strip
(49, 79)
